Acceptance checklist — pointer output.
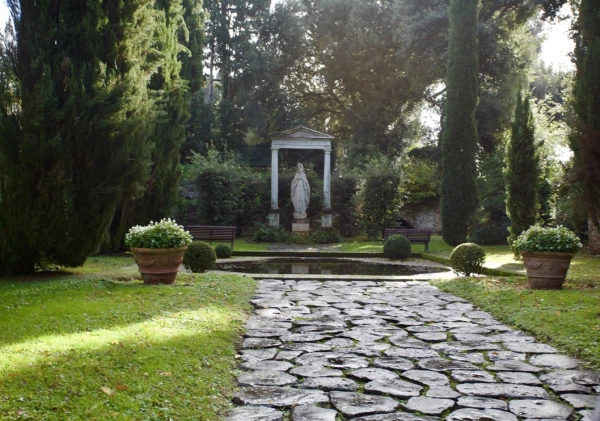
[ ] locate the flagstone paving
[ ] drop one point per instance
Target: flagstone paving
(397, 351)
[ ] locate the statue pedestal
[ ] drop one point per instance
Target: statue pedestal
(274, 218)
(300, 227)
(326, 219)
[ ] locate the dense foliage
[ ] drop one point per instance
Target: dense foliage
(459, 136)
(199, 257)
(380, 196)
(267, 234)
(344, 203)
(490, 225)
(396, 247)
(467, 258)
(76, 118)
(325, 236)
(522, 171)
(586, 140)
(164, 234)
(537, 238)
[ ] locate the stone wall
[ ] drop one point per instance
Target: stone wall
(423, 217)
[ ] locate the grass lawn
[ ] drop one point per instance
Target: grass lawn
(84, 344)
(568, 319)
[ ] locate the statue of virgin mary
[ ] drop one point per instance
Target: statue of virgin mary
(300, 193)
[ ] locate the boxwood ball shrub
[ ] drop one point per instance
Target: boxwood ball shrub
(199, 257)
(396, 247)
(467, 258)
(223, 251)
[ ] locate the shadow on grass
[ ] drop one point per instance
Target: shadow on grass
(166, 370)
(74, 304)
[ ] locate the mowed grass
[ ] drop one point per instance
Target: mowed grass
(83, 345)
(568, 319)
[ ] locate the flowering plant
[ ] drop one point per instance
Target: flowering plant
(538, 238)
(158, 235)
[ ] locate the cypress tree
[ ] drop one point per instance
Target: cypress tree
(522, 172)
(459, 137)
(170, 91)
(79, 142)
(169, 131)
(198, 127)
(586, 140)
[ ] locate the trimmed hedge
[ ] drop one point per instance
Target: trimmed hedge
(467, 258)
(223, 251)
(199, 257)
(396, 247)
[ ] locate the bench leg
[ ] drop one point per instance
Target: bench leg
(427, 247)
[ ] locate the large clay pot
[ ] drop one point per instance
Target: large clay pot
(547, 270)
(158, 266)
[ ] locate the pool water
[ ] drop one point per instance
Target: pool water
(312, 266)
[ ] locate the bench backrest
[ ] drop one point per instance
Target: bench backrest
(207, 232)
(414, 235)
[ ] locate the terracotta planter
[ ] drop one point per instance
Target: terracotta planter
(158, 266)
(547, 270)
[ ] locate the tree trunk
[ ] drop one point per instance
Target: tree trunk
(594, 235)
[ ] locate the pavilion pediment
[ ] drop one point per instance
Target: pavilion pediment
(301, 132)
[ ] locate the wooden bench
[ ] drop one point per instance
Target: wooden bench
(210, 233)
(415, 236)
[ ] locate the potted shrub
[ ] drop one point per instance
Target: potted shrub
(158, 250)
(547, 254)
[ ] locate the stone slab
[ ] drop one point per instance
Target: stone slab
(581, 401)
(530, 348)
(279, 396)
(254, 413)
(539, 409)
(330, 383)
(518, 377)
(393, 363)
(426, 377)
(312, 413)
(502, 390)
(554, 361)
(472, 376)
(396, 416)
(373, 374)
(471, 414)
(353, 404)
(482, 403)
(429, 406)
(398, 388)
(266, 378)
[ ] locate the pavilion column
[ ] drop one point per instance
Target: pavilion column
(327, 218)
(274, 213)
(327, 181)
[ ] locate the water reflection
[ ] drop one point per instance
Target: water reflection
(325, 267)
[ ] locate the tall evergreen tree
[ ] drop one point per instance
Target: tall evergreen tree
(522, 172)
(76, 139)
(198, 125)
(586, 140)
(171, 99)
(459, 137)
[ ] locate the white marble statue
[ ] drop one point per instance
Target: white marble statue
(300, 193)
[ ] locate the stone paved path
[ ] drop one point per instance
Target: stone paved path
(397, 351)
